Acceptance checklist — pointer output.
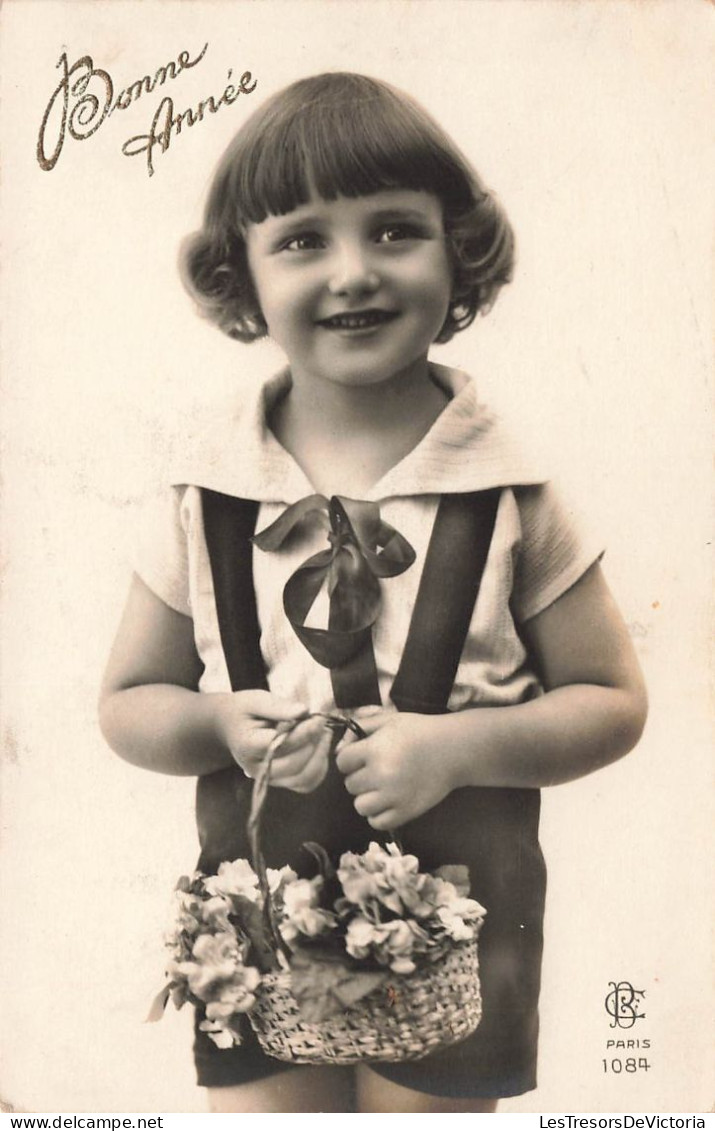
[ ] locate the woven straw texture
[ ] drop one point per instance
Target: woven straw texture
(405, 1019)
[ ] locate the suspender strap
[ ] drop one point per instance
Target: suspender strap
(229, 524)
(447, 593)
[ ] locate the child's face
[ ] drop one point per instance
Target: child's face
(354, 290)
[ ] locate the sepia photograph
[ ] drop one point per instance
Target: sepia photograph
(356, 389)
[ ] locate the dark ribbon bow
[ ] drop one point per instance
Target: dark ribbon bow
(362, 549)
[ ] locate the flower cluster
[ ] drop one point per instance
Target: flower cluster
(397, 915)
(377, 913)
(302, 916)
(215, 945)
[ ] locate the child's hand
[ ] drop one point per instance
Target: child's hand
(399, 771)
(247, 723)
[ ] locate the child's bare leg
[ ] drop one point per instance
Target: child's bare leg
(375, 1093)
(298, 1090)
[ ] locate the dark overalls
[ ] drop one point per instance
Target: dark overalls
(493, 831)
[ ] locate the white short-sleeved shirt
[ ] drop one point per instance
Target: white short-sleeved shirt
(536, 553)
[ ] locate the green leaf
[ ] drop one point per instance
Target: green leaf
(326, 987)
(251, 921)
(180, 995)
(358, 984)
(158, 1005)
(457, 874)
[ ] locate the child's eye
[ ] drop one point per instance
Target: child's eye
(392, 233)
(303, 241)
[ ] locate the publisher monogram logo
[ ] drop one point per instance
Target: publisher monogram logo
(622, 1003)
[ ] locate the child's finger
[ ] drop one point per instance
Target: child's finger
(361, 713)
(359, 782)
(290, 765)
(376, 718)
(306, 782)
(389, 819)
(348, 738)
(255, 742)
(378, 812)
(350, 757)
(309, 776)
(371, 804)
(307, 733)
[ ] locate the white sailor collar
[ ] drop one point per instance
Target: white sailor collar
(466, 449)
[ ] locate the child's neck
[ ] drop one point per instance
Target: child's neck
(346, 438)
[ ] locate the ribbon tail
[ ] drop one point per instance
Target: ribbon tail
(332, 649)
(394, 556)
(273, 536)
(303, 586)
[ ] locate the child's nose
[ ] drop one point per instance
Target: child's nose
(353, 271)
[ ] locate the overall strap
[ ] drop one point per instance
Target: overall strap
(451, 577)
(229, 524)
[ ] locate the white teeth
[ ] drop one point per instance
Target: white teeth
(356, 321)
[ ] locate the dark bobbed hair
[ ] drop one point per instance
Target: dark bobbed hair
(341, 134)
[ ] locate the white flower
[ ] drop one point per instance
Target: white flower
(303, 915)
(234, 877)
(215, 913)
(390, 944)
(187, 920)
(300, 895)
(361, 935)
(399, 946)
(454, 925)
(360, 884)
(278, 877)
(215, 959)
(236, 996)
(384, 875)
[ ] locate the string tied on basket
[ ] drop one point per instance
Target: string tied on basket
(362, 548)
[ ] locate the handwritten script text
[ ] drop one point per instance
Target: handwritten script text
(85, 97)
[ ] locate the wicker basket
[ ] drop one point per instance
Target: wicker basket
(408, 1018)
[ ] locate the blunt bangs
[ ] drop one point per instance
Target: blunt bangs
(385, 141)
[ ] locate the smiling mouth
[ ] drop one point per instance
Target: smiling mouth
(359, 320)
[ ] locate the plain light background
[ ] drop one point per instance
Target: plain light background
(591, 121)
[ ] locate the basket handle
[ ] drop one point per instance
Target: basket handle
(338, 724)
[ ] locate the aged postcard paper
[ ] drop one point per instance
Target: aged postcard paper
(592, 123)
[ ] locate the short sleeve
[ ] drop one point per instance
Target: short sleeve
(555, 550)
(161, 550)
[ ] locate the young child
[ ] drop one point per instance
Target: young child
(346, 225)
